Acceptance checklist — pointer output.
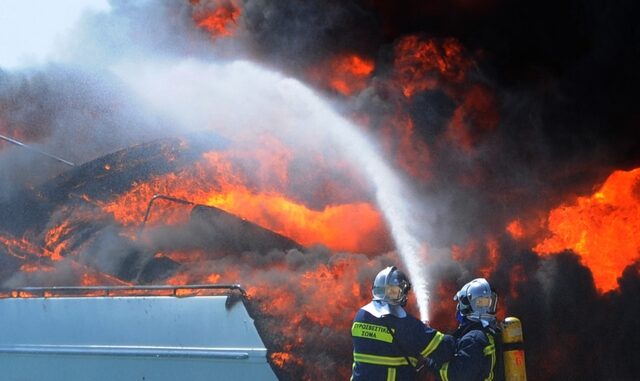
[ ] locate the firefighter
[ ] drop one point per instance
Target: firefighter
(477, 352)
(388, 343)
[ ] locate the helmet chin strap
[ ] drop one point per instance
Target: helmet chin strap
(485, 319)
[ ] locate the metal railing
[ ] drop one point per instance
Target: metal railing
(114, 290)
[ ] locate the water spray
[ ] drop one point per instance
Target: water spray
(392, 196)
(243, 101)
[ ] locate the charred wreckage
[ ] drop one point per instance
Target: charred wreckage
(115, 318)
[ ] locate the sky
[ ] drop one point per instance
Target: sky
(30, 30)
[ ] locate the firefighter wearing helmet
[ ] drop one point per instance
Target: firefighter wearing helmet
(388, 343)
(477, 355)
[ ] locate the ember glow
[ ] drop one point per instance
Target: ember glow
(348, 74)
(423, 64)
(602, 228)
(412, 154)
(474, 118)
(215, 181)
(218, 18)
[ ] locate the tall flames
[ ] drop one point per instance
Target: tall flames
(217, 181)
(602, 228)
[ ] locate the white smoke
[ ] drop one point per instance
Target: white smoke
(176, 70)
(242, 101)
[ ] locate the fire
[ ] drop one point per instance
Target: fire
(24, 248)
(216, 181)
(515, 229)
(54, 239)
(218, 17)
(473, 118)
(492, 258)
(32, 267)
(324, 278)
(280, 359)
(332, 226)
(420, 64)
(348, 74)
(317, 302)
(19, 248)
(602, 228)
(469, 254)
(413, 154)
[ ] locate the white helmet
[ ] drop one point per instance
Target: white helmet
(476, 301)
(391, 286)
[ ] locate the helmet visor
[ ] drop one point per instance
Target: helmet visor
(486, 303)
(397, 294)
(393, 293)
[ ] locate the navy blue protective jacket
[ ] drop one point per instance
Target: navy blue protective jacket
(477, 355)
(379, 355)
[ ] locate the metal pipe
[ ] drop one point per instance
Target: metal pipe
(33, 149)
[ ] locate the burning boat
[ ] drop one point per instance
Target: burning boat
(106, 227)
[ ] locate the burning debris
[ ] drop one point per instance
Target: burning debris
(513, 127)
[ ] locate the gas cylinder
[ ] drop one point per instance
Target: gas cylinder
(513, 350)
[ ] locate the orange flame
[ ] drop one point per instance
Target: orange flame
(413, 154)
(213, 181)
(348, 74)
(284, 293)
(32, 267)
(602, 228)
(54, 240)
(515, 229)
(24, 248)
(19, 248)
(218, 17)
(473, 118)
(493, 249)
(420, 64)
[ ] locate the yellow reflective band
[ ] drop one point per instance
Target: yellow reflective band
(490, 350)
(391, 374)
(371, 331)
(382, 360)
(443, 372)
(433, 344)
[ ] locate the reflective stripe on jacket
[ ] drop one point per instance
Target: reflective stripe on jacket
(383, 347)
(475, 358)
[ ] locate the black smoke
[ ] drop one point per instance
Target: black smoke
(565, 84)
(562, 73)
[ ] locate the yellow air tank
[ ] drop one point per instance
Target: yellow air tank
(513, 350)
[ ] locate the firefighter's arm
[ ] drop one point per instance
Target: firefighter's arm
(466, 363)
(439, 347)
